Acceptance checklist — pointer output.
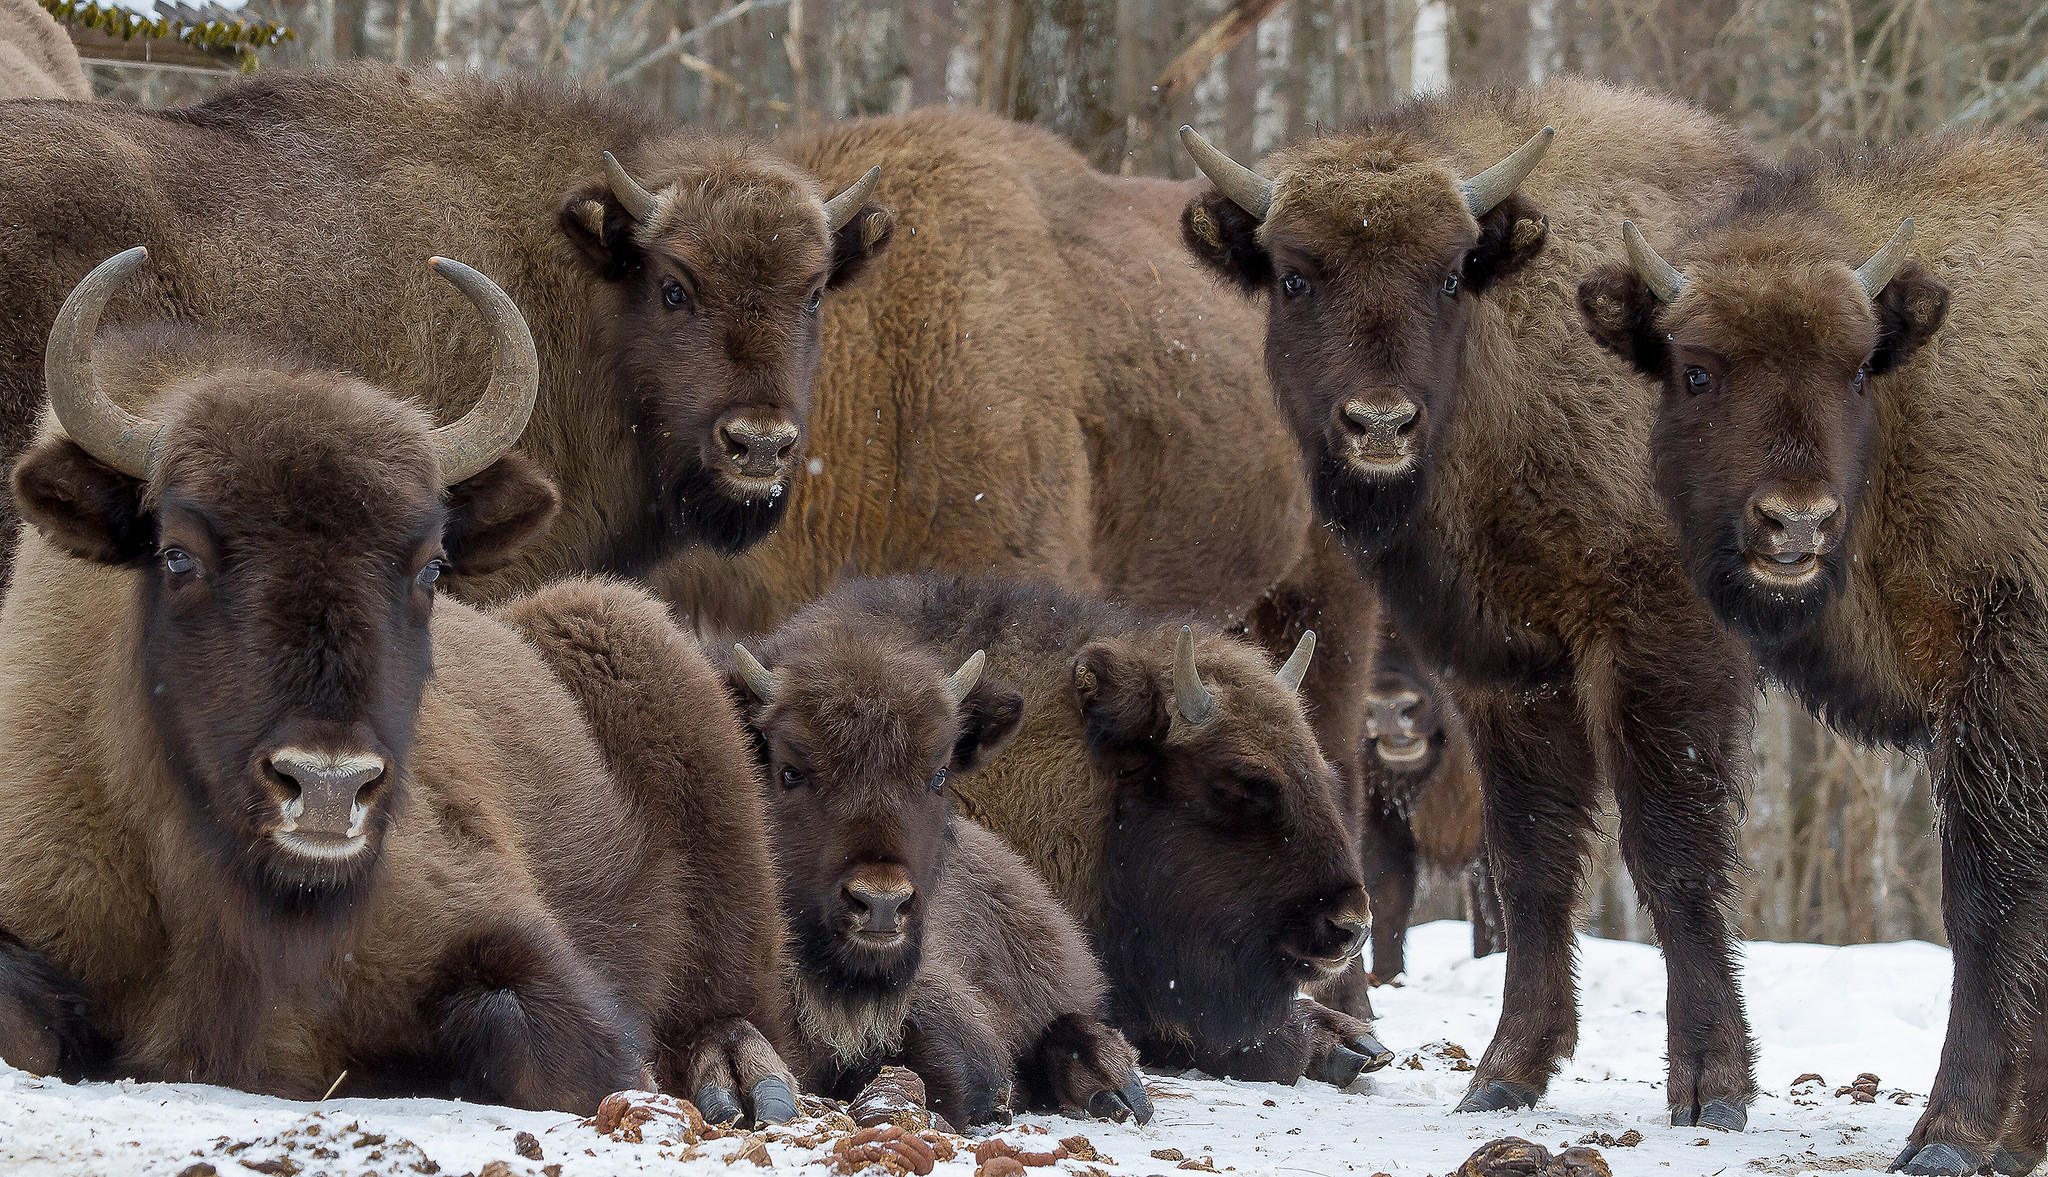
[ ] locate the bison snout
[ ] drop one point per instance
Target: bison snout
(1792, 532)
(324, 798)
(878, 902)
(1334, 935)
(1381, 429)
(756, 448)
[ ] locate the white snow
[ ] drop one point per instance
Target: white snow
(1834, 1011)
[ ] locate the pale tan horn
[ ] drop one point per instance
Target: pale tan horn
(840, 209)
(1295, 668)
(1190, 697)
(637, 201)
(1884, 264)
(494, 423)
(1246, 188)
(1499, 182)
(963, 679)
(758, 678)
(1660, 276)
(90, 417)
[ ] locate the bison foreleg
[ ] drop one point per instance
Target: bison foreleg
(949, 1041)
(1080, 1065)
(1482, 907)
(1388, 854)
(731, 1071)
(45, 1027)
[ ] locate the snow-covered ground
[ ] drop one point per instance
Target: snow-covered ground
(1836, 1012)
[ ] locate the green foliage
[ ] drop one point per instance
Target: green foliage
(227, 38)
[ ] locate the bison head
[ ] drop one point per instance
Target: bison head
(286, 527)
(1404, 723)
(1369, 251)
(857, 739)
(716, 259)
(1228, 879)
(1766, 348)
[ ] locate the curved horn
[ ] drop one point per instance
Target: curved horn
(90, 417)
(1499, 182)
(963, 679)
(1660, 276)
(1879, 270)
(494, 424)
(840, 209)
(758, 678)
(637, 201)
(1246, 188)
(1295, 668)
(1190, 697)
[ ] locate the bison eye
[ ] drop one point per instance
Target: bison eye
(792, 779)
(432, 572)
(1451, 284)
(939, 780)
(673, 294)
(177, 561)
(1294, 285)
(811, 304)
(1697, 380)
(1856, 381)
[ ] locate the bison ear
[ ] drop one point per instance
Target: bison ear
(989, 716)
(600, 229)
(1121, 706)
(92, 512)
(1225, 238)
(1511, 234)
(493, 514)
(860, 241)
(1621, 315)
(1910, 309)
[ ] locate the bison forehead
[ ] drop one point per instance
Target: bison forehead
(1775, 309)
(1344, 196)
(754, 219)
(879, 713)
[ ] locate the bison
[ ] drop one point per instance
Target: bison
(37, 59)
(1850, 436)
(673, 290)
(273, 813)
(917, 934)
(1486, 465)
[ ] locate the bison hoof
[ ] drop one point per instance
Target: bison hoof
(1376, 1055)
(1128, 1102)
(774, 1102)
(1718, 1114)
(1498, 1095)
(1341, 1066)
(2015, 1162)
(718, 1104)
(1935, 1160)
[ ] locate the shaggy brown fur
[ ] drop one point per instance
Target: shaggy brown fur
(1508, 520)
(36, 57)
(1208, 862)
(1915, 612)
(919, 936)
(653, 338)
(503, 927)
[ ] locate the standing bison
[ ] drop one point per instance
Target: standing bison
(1486, 464)
(1851, 436)
(673, 292)
(272, 813)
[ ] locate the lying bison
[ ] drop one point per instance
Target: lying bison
(1485, 463)
(1167, 786)
(918, 935)
(673, 292)
(279, 815)
(1860, 498)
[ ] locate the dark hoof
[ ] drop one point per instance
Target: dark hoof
(774, 1102)
(1341, 1066)
(1498, 1095)
(2011, 1164)
(1935, 1160)
(1125, 1103)
(718, 1104)
(1138, 1100)
(1376, 1055)
(1718, 1114)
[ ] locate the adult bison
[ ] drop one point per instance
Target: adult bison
(1851, 435)
(276, 814)
(1487, 465)
(673, 293)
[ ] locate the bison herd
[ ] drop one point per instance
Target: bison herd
(868, 596)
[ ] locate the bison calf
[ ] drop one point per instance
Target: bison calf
(278, 813)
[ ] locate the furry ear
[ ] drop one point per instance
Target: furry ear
(92, 512)
(1621, 315)
(493, 514)
(1511, 234)
(1121, 705)
(860, 241)
(600, 230)
(989, 716)
(1225, 238)
(1910, 309)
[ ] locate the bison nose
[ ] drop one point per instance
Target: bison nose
(878, 906)
(325, 793)
(1793, 524)
(1345, 936)
(1382, 427)
(1387, 714)
(757, 449)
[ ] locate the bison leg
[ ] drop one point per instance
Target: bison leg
(45, 1027)
(949, 1040)
(1389, 857)
(730, 1060)
(2025, 1143)
(1538, 772)
(1482, 907)
(1312, 1041)
(1080, 1065)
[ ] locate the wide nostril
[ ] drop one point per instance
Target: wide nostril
(1397, 418)
(878, 911)
(325, 791)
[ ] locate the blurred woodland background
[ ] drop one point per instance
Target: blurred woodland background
(1838, 838)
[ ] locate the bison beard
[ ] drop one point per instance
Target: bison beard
(1765, 614)
(697, 505)
(1367, 514)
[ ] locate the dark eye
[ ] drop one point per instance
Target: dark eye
(1451, 283)
(177, 561)
(1294, 285)
(432, 572)
(1697, 380)
(811, 304)
(792, 779)
(1856, 382)
(939, 781)
(673, 294)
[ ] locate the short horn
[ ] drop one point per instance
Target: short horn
(493, 425)
(840, 209)
(963, 679)
(1190, 697)
(1499, 182)
(637, 201)
(1883, 265)
(90, 417)
(1246, 188)
(1295, 668)
(1660, 276)
(757, 677)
